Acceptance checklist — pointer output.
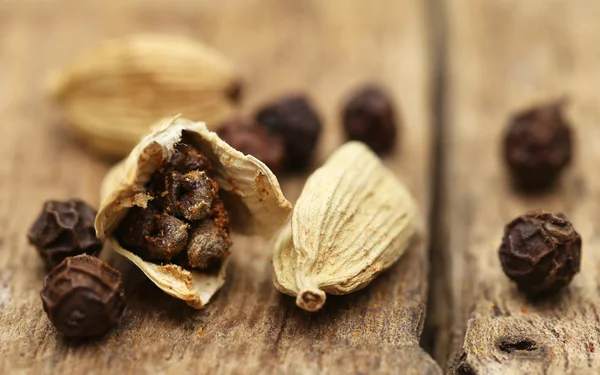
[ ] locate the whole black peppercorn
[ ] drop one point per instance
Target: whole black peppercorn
(541, 252)
(296, 121)
(64, 229)
(538, 146)
(247, 136)
(83, 296)
(369, 117)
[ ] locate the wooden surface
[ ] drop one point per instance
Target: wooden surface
(323, 47)
(501, 57)
(458, 70)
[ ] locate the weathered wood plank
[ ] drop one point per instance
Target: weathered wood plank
(504, 55)
(322, 47)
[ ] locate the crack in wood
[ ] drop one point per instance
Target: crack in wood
(516, 344)
(433, 340)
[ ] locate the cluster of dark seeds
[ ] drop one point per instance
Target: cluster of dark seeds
(185, 221)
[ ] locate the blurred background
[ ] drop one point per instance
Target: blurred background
(322, 49)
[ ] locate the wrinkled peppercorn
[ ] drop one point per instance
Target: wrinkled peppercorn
(541, 252)
(537, 146)
(251, 138)
(369, 117)
(83, 296)
(64, 229)
(184, 198)
(298, 124)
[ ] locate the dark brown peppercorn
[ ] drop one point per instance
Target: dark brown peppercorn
(64, 229)
(369, 117)
(537, 146)
(298, 124)
(83, 296)
(247, 136)
(541, 252)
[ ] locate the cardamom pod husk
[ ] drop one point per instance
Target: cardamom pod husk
(249, 191)
(112, 94)
(352, 221)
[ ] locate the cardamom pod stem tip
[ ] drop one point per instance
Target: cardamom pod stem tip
(311, 299)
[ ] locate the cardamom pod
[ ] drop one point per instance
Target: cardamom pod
(112, 94)
(182, 223)
(352, 221)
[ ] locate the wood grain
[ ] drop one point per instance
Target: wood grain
(323, 47)
(503, 56)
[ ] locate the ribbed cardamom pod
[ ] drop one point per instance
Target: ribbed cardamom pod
(248, 193)
(353, 220)
(113, 93)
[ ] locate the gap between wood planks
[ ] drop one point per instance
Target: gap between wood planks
(438, 300)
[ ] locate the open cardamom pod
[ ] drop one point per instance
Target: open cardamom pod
(352, 221)
(170, 205)
(112, 93)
